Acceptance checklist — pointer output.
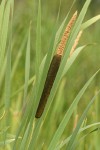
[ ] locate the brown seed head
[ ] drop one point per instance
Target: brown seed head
(65, 36)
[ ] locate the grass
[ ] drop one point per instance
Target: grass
(24, 64)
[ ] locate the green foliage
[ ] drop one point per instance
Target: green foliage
(24, 64)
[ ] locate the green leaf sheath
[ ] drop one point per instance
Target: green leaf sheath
(48, 84)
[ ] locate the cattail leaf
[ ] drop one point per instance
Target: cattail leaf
(84, 137)
(67, 116)
(27, 71)
(90, 22)
(17, 60)
(73, 137)
(22, 87)
(8, 79)
(38, 37)
(2, 8)
(2, 73)
(4, 32)
(27, 66)
(72, 59)
(6, 142)
(38, 44)
(23, 145)
(80, 131)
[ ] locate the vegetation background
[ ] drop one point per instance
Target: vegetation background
(86, 64)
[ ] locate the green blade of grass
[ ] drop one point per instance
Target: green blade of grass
(73, 137)
(83, 138)
(3, 143)
(23, 145)
(22, 87)
(16, 62)
(8, 80)
(7, 92)
(72, 59)
(27, 67)
(8, 64)
(89, 126)
(97, 113)
(77, 142)
(2, 6)
(80, 131)
(4, 32)
(67, 116)
(38, 38)
(38, 54)
(35, 134)
(90, 22)
(38, 44)
(2, 73)
(26, 118)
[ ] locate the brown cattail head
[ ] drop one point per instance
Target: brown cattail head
(54, 66)
(66, 34)
(75, 43)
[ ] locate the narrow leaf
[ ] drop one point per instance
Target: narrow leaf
(90, 22)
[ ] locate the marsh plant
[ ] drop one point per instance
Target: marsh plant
(42, 113)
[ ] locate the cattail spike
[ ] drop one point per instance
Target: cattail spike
(66, 34)
(76, 42)
(53, 69)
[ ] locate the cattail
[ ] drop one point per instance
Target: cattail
(54, 66)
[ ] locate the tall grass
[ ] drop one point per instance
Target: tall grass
(57, 127)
